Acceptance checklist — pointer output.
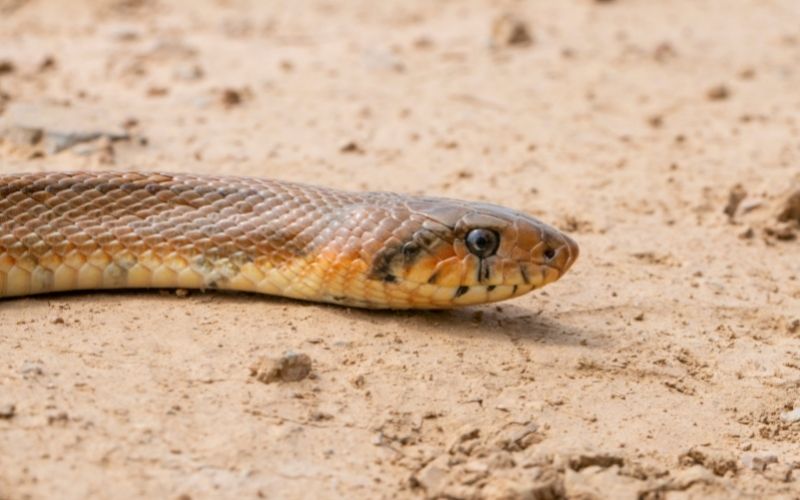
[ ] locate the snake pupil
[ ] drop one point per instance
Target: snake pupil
(482, 242)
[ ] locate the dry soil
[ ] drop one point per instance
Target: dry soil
(664, 136)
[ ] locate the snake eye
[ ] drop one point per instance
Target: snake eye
(482, 242)
(550, 253)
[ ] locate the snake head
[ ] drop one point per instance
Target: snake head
(454, 253)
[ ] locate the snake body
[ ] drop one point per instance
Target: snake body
(105, 230)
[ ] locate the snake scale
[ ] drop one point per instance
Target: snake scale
(105, 230)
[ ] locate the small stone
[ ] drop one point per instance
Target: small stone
(510, 31)
(7, 411)
(750, 205)
(718, 93)
(717, 461)
(581, 461)
(351, 148)
(291, 367)
(231, 97)
(791, 416)
(7, 67)
(735, 197)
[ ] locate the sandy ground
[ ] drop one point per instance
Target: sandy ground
(666, 364)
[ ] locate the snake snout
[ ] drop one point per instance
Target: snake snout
(559, 251)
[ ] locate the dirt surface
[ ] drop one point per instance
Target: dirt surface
(664, 136)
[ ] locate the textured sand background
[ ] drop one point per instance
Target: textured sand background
(666, 364)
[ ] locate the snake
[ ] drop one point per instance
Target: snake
(68, 231)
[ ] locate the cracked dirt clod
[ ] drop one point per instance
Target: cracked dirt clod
(716, 461)
(519, 438)
(433, 477)
(581, 461)
(290, 367)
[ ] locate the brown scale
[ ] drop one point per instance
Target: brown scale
(63, 231)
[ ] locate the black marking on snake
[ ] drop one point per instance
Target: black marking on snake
(425, 238)
(514, 290)
(491, 288)
(433, 278)
(410, 252)
(484, 271)
(383, 262)
(382, 265)
(461, 291)
(525, 276)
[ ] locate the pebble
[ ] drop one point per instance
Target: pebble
(791, 416)
(581, 461)
(510, 31)
(7, 411)
(290, 367)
